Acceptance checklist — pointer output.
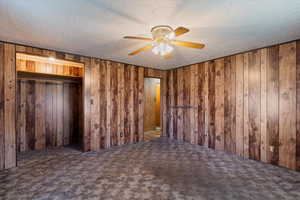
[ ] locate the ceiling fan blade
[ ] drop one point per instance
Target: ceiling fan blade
(138, 38)
(188, 44)
(145, 48)
(180, 31)
(167, 56)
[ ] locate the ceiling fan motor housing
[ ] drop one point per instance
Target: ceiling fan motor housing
(162, 33)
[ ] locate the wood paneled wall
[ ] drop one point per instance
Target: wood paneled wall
(246, 104)
(7, 106)
(113, 104)
(117, 111)
(49, 114)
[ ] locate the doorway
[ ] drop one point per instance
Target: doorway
(152, 110)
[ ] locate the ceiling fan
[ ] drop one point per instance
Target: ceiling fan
(163, 39)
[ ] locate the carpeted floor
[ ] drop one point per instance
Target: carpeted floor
(158, 170)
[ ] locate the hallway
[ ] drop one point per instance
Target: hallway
(160, 169)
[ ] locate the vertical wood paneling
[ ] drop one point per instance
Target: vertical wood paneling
(30, 113)
(2, 99)
(9, 105)
(114, 104)
(87, 103)
(254, 104)
(103, 103)
(43, 114)
(233, 104)
(22, 117)
(246, 106)
(251, 99)
(211, 104)
(287, 105)
(54, 123)
(228, 109)
(60, 114)
(180, 103)
(170, 104)
(108, 101)
(219, 104)
(40, 128)
(298, 106)
(121, 102)
(186, 131)
(194, 103)
(264, 146)
(239, 105)
(48, 114)
(163, 103)
(140, 104)
(175, 111)
(95, 107)
(66, 115)
(206, 105)
(131, 103)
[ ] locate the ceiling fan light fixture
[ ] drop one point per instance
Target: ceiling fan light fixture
(163, 39)
(171, 36)
(162, 49)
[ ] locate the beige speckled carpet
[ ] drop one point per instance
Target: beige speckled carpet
(158, 170)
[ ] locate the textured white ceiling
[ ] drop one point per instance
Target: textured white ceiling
(96, 27)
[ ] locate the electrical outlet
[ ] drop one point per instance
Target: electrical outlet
(272, 148)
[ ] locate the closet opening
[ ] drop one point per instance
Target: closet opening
(49, 103)
(152, 110)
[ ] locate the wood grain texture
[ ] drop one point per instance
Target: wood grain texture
(10, 105)
(211, 105)
(150, 118)
(140, 104)
(163, 103)
(239, 112)
(104, 119)
(42, 65)
(202, 109)
(261, 83)
(246, 105)
(219, 104)
(194, 102)
(298, 106)
(40, 128)
(287, 105)
(250, 101)
(254, 104)
(121, 102)
(109, 106)
(131, 104)
(95, 105)
(206, 104)
(2, 98)
(264, 147)
(180, 102)
(48, 114)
